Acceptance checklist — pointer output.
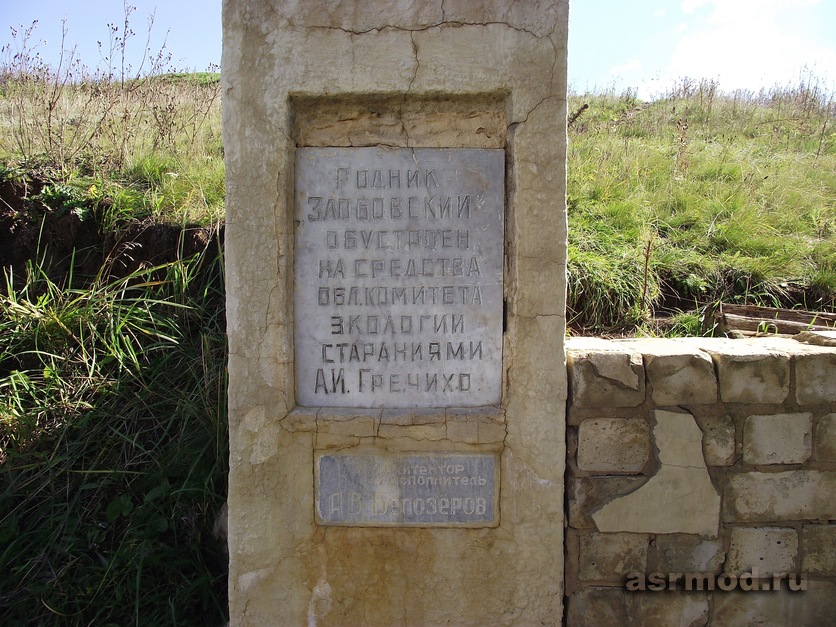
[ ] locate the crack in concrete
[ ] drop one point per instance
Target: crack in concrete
(530, 111)
(444, 22)
(267, 316)
(409, 88)
(417, 63)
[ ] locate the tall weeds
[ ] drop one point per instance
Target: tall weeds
(113, 448)
(68, 121)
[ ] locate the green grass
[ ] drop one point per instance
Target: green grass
(113, 448)
(113, 435)
(149, 144)
(113, 438)
(735, 194)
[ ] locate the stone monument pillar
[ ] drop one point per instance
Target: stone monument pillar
(396, 262)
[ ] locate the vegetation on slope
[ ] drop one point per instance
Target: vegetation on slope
(113, 438)
(113, 447)
(112, 350)
(700, 197)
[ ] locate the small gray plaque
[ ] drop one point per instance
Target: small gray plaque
(398, 277)
(415, 490)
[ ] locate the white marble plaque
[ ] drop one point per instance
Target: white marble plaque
(398, 277)
(418, 490)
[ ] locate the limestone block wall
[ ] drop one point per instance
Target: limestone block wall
(701, 455)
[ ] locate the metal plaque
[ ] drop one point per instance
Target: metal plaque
(414, 490)
(398, 277)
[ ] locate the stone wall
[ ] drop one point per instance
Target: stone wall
(701, 455)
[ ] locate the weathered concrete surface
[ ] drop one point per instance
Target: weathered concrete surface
(718, 442)
(684, 553)
(818, 543)
(589, 494)
(814, 606)
(431, 74)
(602, 607)
(611, 556)
(680, 497)
(611, 607)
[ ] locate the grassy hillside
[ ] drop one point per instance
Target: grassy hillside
(112, 349)
(700, 197)
(113, 439)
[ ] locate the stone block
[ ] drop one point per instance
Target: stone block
(815, 363)
(685, 609)
(748, 371)
(815, 606)
(613, 607)
(677, 373)
(776, 496)
(602, 607)
(765, 549)
(588, 494)
(680, 497)
(818, 549)
(718, 440)
(815, 376)
(778, 439)
(611, 556)
(824, 441)
(686, 553)
(604, 373)
(613, 445)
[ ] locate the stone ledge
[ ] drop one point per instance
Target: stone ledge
(604, 373)
(749, 371)
(678, 374)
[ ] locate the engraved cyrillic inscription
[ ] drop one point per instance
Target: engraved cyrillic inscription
(398, 277)
(447, 490)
